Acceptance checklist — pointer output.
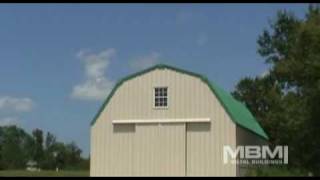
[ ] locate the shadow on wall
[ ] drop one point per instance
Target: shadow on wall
(130, 128)
(198, 127)
(124, 128)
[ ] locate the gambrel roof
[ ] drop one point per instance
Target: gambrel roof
(237, 111)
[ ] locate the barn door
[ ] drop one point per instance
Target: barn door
(160, 149)
(199, 150)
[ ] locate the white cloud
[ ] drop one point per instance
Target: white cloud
(16, 104)
(202, 39)
(96, 85)
(145, 61)
(265, 73)
(9, 121)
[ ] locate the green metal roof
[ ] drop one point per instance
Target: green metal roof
(237, 111)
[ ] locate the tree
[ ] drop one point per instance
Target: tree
(287, 101)
(15, 147)
(262, 96)
(61, 155)
(38, 146)
(1, 144)
(73, 154)
(18, 147)
(49, 161)
(51, 140)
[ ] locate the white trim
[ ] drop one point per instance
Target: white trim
(154, 97)
(139, 121)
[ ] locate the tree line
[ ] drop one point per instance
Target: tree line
(17, 148)
(286, 101)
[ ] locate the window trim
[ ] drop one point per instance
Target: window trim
(154, 98)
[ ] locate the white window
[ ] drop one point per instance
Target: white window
(160, 97)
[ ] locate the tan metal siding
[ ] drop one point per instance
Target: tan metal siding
(189, 97)
(205, 147)
(159, 150)
(245, 137)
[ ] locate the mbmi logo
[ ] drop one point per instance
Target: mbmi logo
(255, 155)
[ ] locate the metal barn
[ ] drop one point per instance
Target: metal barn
(165, 121)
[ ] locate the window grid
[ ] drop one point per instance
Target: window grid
(161, 97)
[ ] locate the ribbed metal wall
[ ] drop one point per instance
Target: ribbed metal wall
(169, 149)
(159, 150)
(245, 137)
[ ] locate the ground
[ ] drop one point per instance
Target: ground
(44, 173)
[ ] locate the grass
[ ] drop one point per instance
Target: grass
(262, 171)
(44, 173)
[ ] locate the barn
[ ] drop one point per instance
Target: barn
(166, 121)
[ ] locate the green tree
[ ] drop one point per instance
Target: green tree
(15, 147)
(61, 155)
(1, 144)
(287, 101)
(38, 155)
(73, 154)
(50, 141)
(49, 161)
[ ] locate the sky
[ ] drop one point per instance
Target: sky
(58, 62)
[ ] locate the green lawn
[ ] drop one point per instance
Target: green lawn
(44, 173)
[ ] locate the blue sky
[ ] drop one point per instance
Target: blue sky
(59, 61)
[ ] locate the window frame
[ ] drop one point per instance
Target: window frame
(154, 98)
